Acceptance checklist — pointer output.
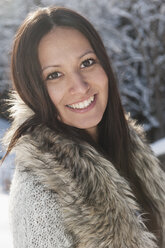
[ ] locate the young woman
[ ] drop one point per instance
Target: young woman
(84, 174)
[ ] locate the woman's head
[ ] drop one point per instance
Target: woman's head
(74, 78)
(28, 62)
(27, 65)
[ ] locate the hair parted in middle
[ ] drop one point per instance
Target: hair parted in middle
(113, 131)
(28, 81)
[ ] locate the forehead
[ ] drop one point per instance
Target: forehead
(61, 41)
(61, 32)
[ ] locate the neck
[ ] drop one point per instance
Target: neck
(93, 132)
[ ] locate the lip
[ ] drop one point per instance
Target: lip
(84, 109)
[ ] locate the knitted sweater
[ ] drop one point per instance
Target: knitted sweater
(36, 219)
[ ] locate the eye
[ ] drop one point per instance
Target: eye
(87, 63)
(54, 75)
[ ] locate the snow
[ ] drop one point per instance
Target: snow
(6, 169)
(3, 125)
(159, 147)
(5, 234)
(5, 176)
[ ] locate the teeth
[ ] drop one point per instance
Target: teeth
(83, 104)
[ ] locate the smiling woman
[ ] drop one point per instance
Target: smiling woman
(84, 175)
(76, 82)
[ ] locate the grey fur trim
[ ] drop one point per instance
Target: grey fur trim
(98, 205)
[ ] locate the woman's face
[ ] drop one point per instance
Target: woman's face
(75, 80)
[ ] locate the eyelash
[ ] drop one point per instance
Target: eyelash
(90, 59)
(53, 75)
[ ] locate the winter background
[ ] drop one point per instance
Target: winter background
(133, 32)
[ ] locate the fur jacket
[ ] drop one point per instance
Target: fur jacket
(98, 206)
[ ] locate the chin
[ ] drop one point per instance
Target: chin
(88, 124)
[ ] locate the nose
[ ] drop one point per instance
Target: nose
(77, 84)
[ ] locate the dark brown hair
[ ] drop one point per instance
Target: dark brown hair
(114, 139)
(28, 81)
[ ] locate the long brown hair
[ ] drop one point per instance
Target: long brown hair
(114, 139)
(28, 82)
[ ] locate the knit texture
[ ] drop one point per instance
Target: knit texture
(35, 215)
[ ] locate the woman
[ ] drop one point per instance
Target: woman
(84, 175)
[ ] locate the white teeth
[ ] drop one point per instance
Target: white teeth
(83, 104)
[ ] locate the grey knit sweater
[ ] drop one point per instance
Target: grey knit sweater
(35, 215)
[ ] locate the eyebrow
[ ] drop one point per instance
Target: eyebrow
(87, 52)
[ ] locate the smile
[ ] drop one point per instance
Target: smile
(82, 105)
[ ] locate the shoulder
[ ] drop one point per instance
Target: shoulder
(35, 214)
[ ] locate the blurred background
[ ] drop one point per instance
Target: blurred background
(133, 32)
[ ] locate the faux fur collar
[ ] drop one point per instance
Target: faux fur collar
(97, 203)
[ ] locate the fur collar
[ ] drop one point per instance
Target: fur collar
(98, 205)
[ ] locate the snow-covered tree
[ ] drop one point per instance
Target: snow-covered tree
(133, 32)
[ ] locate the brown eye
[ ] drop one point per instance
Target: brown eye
(87, 63)
(54, 75)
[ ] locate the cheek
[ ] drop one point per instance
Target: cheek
(55, 94)
(104, 88)
(102, 81)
